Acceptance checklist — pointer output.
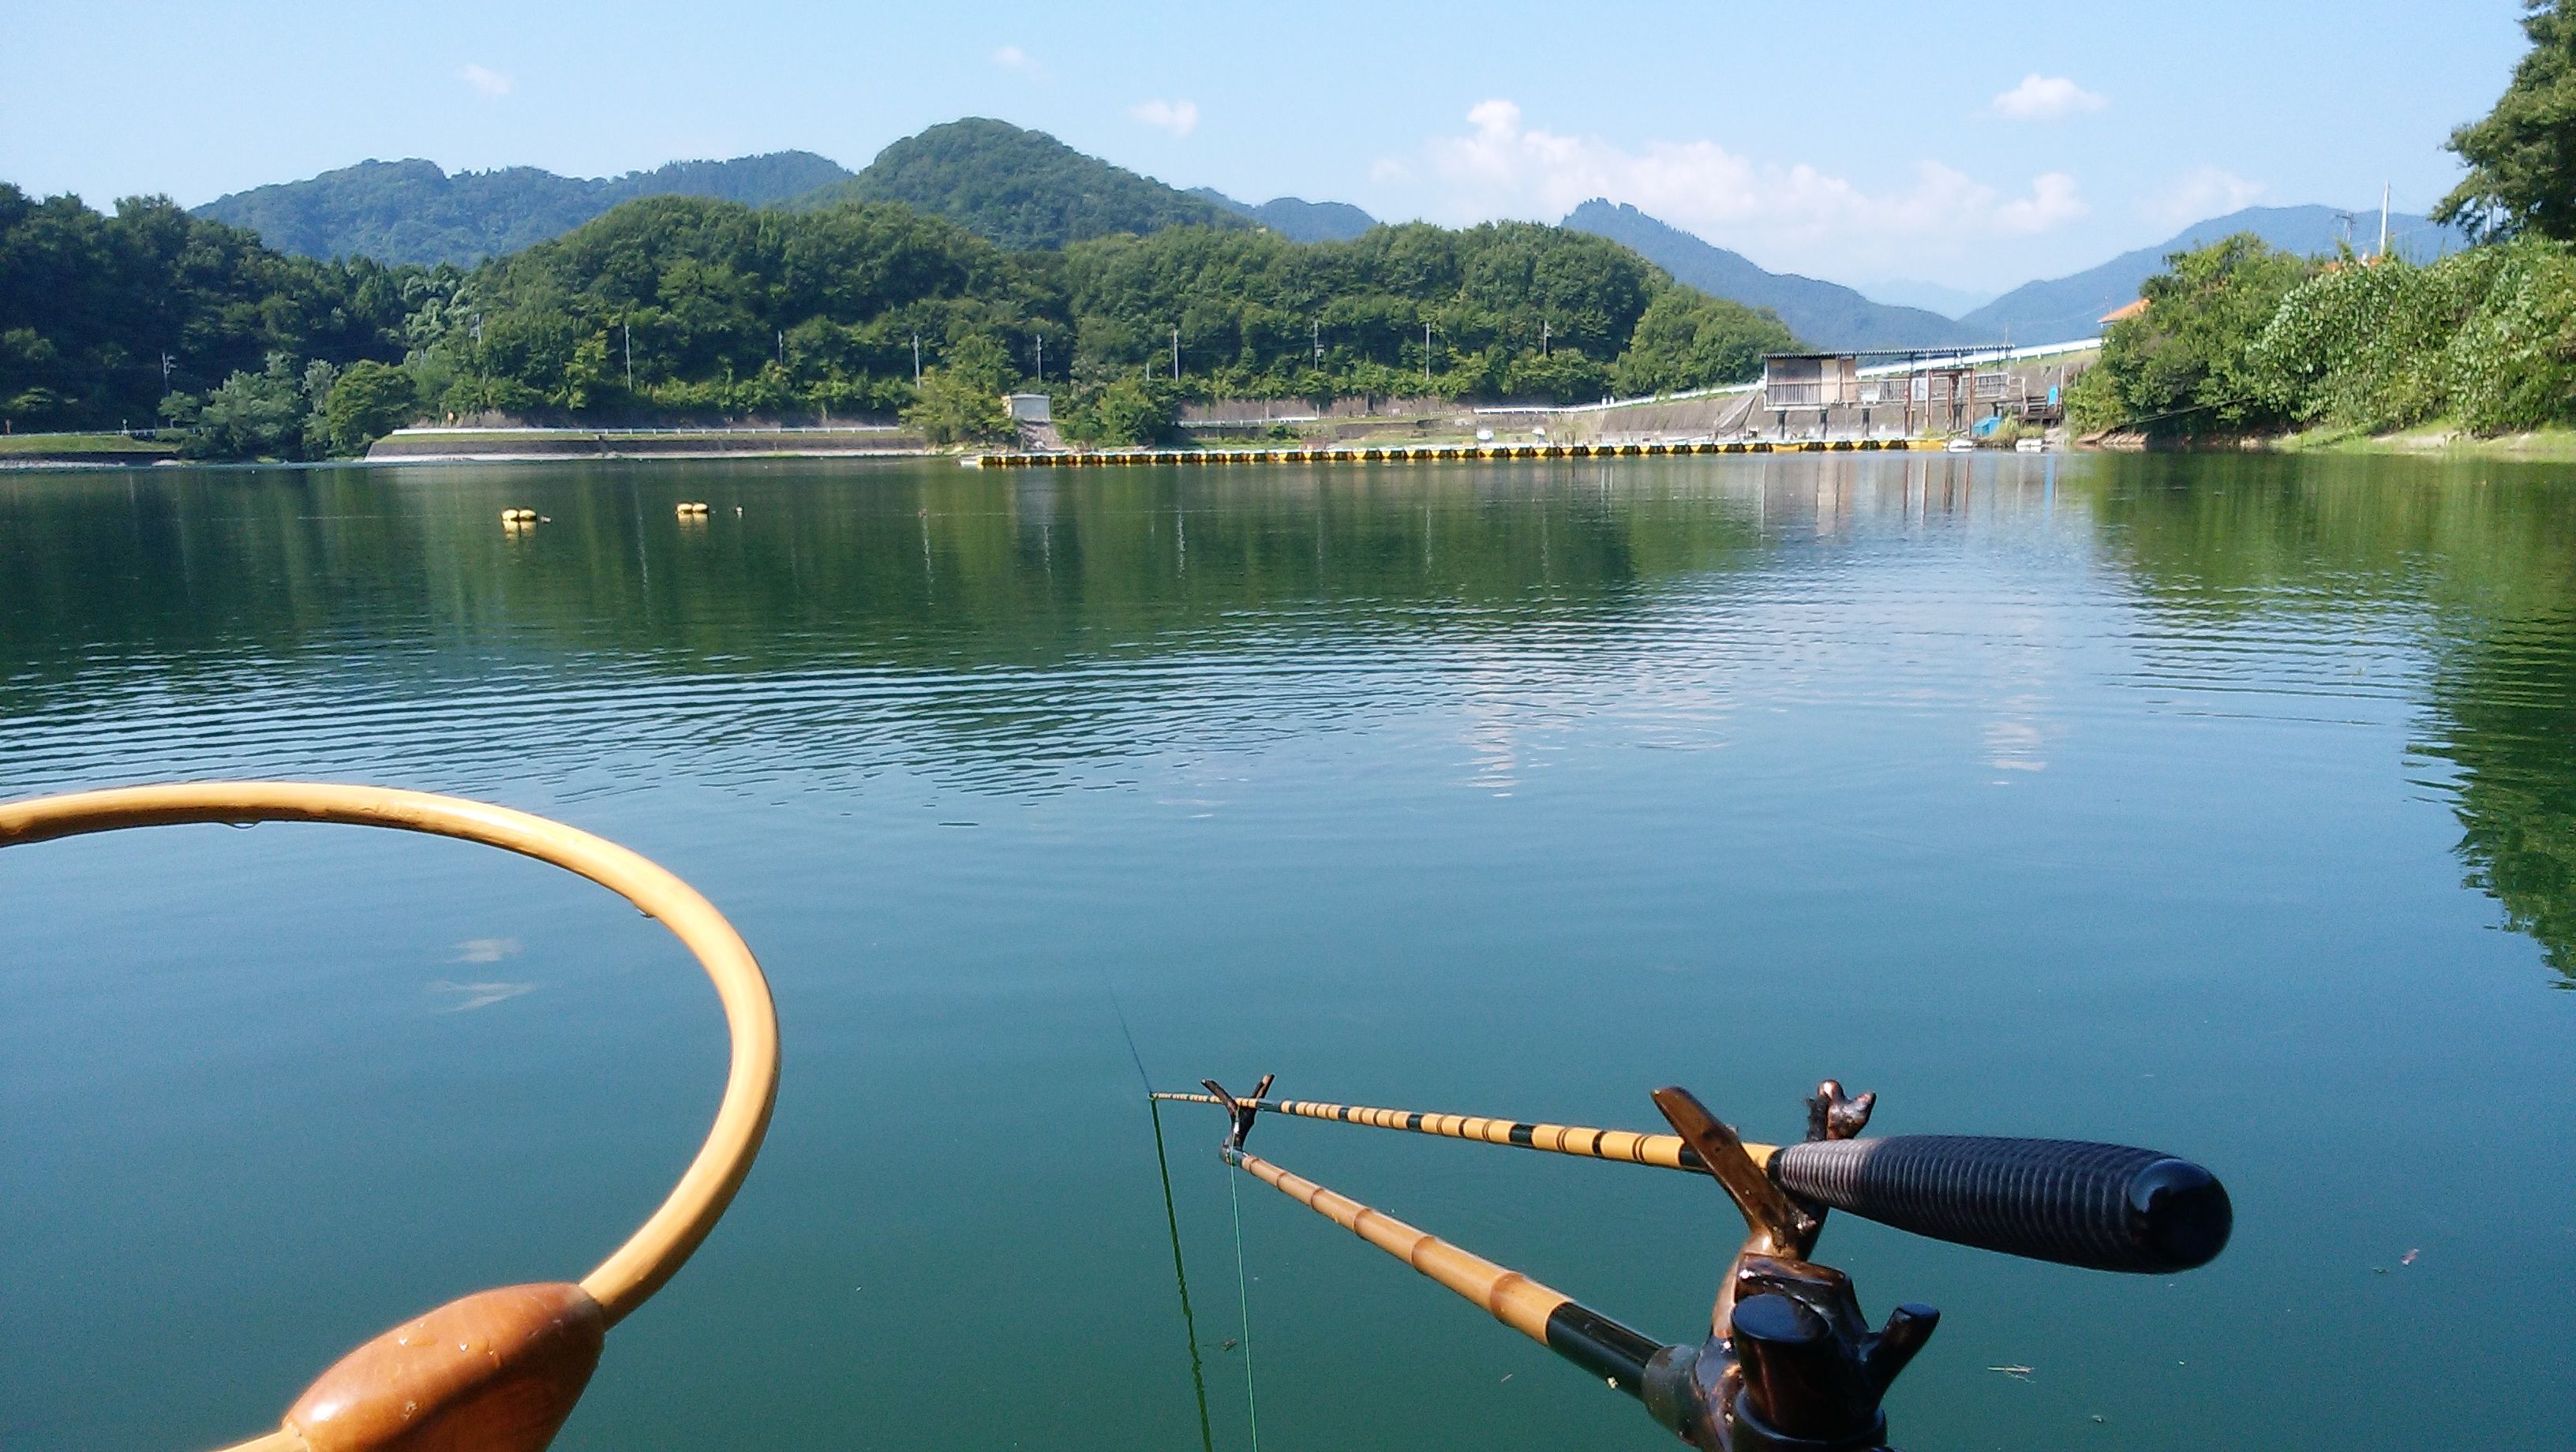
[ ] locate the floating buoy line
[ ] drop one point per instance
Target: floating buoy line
(1435, 453)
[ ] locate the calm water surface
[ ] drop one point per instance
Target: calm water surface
(2225, 806)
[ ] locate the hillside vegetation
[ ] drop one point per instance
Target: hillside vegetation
(673, 308)
(2240, 337)
(411, 211)
(723, 309)
(1021, 189)
(1296, 218)
(90, 303)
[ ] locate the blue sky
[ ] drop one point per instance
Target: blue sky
(1858, 143)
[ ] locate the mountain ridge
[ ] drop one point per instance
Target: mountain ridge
(1296, 218)
(1822, 314)
(413, 210)
(1022, 189)
(2064, 309)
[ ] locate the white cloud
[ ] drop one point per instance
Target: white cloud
(2052, 201)
(485, 80)
(1012, 58)
(2203, 193)
(1799, 215)
(1178, 117)
(2046, 98)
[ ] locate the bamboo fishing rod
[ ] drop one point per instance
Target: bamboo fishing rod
(1617, 1354)
(2076, 1202)
(1663, 1151)
(1789, 1360)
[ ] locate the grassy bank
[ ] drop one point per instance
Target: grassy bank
(40, 445)
(2442, 438)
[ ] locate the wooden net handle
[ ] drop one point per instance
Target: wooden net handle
(656, 1251)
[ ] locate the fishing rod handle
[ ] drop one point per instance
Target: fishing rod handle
(2102, 1206)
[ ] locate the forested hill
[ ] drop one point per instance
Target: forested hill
(1296, 218)
(792, 312)
(1022, 189)
(1826, 314)
(673, 308)
(91, 306)
(412, 211)
(2061, 309)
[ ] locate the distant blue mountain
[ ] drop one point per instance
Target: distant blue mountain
(1297, 219)
(1822, 314)
(412, 211)
(2064, 309)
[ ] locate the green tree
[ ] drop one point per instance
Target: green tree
(1130, 411)
(961, 400)
(1687, 339)
(2187, 364)
(2512, 364)
(1562, 376)
(2522, 156)
(91, 304)
(250, 416)
(368, 401)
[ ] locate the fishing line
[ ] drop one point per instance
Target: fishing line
(1171, 1223)
(1251, 1405)
(1189, 1321)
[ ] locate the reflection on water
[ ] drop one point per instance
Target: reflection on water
(2481, 562)
(2090, 796)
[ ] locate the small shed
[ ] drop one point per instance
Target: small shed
(1032, 408)
(1810, 380)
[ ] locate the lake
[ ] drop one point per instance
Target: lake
(2222, 805)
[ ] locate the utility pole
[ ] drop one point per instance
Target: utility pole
(1041, 357)
(165, 370)
(1176, 355)
(628, 326)
(782, 347)
(1315, 335)
(916, 360)
(1542, 337)
(1426, 355)
(2383, 219)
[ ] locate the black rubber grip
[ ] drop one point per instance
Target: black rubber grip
(2105, 1206)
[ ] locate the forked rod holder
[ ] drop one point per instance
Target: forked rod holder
(1789, 1364)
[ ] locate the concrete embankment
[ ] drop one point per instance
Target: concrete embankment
(426, 445)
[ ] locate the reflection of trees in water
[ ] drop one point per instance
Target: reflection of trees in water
(1003, 616)
(2486, 552)
(2509, 705)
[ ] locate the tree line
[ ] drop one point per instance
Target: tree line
(672, 309)
(2241, 338)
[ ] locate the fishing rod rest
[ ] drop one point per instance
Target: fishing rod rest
(1790, 1364)
(1243, 1110)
